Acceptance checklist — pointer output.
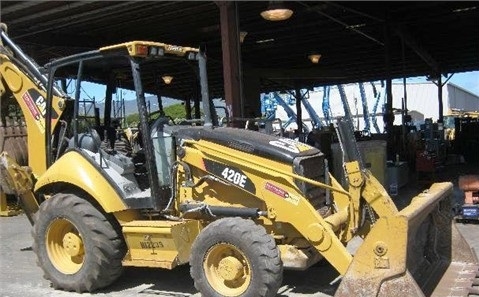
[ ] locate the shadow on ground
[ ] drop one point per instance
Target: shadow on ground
(177, 282)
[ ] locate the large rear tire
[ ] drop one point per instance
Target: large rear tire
(234, 257)
(76, 246)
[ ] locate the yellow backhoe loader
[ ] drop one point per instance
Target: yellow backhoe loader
(238, 206)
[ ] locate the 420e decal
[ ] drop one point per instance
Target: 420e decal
(230, 174)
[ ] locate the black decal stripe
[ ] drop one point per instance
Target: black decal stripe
(35, 94)
(217, 169)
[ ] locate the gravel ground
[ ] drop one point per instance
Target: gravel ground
(20, 276)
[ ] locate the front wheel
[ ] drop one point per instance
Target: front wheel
(76, 246)
(234, 257)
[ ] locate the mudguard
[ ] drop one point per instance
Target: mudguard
(74, 168)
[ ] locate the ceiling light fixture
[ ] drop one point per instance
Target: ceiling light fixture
(314, 58)
(242, 36)
(167, 79)
(276, 11)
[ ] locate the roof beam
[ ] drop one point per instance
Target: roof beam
(370, 16)
(19, 6)
(85, 17)
(298, 73)
(37, 15)
(318, 10)
(409, 40)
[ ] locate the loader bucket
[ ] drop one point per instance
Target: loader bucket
(416, 252)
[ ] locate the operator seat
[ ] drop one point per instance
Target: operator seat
(90, 141)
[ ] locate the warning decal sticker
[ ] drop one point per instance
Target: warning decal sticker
(37, 105)
(31, 106)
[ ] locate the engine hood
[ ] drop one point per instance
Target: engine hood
(251, 142)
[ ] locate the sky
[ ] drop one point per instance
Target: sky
(466, 80)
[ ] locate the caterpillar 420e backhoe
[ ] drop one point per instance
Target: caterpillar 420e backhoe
(237, 205)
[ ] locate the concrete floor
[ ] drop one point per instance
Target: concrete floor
(19, 275)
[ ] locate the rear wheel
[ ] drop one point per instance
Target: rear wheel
(76, 246)
(236, 257)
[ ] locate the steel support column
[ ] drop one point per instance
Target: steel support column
(251, 93)
(110, 89)
(404, 112)
(407, 38)
(388, 115)
(197, 107)
(231, 57)
(439, 97)
(439, 85)
(188, 107)
(299, 110)
(197, 100)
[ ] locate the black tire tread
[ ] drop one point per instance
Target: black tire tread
(271, 268)
(108, 247)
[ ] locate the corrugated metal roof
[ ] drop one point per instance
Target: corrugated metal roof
(349, 35)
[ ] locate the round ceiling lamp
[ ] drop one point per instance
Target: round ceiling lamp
(243, 36)
(314, 58)
(276, 11)
(167, 79)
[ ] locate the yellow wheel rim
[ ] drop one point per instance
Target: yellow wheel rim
(65, 246)
(227, 269)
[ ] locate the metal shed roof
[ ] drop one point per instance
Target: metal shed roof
(351, 36)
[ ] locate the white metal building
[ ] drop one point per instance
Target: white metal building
(422, 102)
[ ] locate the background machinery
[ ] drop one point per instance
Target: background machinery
(238, 206)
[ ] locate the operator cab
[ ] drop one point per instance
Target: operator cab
(143, 175)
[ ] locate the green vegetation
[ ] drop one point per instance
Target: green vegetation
(132, 120)
(175, 111)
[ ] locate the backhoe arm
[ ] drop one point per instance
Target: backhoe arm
(21, 78)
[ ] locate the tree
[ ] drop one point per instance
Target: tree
(132, 120)
(175, 111)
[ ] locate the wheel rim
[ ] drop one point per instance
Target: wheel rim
(65, 246)
(227, 269)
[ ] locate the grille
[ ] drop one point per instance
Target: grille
(312, 167)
